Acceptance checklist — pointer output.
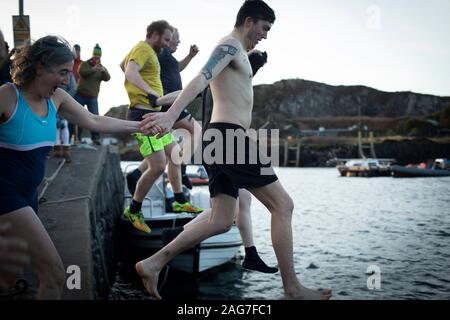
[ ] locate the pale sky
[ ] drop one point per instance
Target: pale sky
(390, 45)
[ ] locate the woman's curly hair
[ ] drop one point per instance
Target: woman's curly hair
(50, 51)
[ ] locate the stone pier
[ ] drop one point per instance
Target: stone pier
(80, 210)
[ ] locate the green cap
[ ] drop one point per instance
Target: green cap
(97, 50)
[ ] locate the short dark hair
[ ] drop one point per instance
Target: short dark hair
(50, 51)
(158, 26)
(255, 9)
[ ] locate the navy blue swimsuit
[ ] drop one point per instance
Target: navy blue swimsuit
(25, 140)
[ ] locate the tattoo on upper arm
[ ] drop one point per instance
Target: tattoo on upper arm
(219, 53)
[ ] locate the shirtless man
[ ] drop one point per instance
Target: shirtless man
(229, 74)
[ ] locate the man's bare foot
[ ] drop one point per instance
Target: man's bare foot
(149, 276)
(304, 293)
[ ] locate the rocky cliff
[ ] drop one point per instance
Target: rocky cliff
(296, 98)
(286, 101)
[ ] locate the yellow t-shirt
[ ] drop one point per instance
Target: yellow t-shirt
(146, 58)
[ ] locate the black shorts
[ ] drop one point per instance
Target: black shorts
(236, 165)
(182, 115)
(134, 114)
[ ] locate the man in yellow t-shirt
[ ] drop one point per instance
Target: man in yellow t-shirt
(145, 61)
(144, 87)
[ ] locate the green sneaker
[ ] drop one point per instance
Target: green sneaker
(137, 220)
(185, 207)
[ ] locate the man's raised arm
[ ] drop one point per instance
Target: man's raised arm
(192, 53)
(220, 58)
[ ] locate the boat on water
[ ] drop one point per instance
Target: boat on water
(137, 245)
(440, 168)
(365, 167)
(197, 174)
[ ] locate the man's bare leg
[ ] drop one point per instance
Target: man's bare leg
(191, 132)
(143, 166)
(190, 144)
(173, 168)
(203, 217)
(281, 206)
(181, 203)
(133, 176)
(155, 165)
(244, 218)
(252, 260)
(221, 220)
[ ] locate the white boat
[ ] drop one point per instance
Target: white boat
(367, 167)
(210, 253)
(364, 166)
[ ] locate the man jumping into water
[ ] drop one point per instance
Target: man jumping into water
(229, 74)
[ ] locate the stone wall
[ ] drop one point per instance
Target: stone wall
(82, 208)
(104, 214)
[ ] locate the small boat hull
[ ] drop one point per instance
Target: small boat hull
(365, 168)
(212, 252)
(136, 245)
(363, 172)
(197, 181)
(409, 172)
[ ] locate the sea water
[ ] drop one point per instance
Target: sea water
(365, 238)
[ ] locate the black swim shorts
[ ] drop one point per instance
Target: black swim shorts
(231, 162)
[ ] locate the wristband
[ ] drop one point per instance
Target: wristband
(152, 99)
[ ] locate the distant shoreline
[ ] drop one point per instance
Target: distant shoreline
(314, 154)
